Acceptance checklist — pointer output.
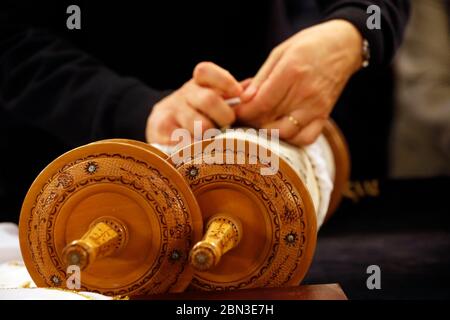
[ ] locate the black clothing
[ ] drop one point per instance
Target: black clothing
(61, 88)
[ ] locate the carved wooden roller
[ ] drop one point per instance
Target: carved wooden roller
(260, 230)
(132, 218)
(120, 212)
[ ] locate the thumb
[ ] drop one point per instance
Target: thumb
(210, 75)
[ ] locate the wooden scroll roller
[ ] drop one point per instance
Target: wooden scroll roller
(260, 229)
(223, 233)
(118, 211)
(105, 237)
(131, 217)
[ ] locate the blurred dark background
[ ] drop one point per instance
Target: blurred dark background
(396, 214)
(397, 123)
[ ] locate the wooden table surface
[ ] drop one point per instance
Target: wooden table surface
(305, 292)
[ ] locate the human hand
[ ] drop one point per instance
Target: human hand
(300, 82)
(200, 99)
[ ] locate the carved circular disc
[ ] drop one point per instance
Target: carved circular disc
(137, 143)
(125, 181)
(341, 155)
(276, 212)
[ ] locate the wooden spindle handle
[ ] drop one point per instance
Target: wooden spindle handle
(223, 233)
(106, 236)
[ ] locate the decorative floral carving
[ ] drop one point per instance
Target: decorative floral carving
(291, 238)
(289, 215)
(91, 167)
(192, 172)
(55, 280)
(65, 180)
(175, 255)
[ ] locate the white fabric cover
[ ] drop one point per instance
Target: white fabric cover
(15, 281)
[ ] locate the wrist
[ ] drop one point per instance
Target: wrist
(353, 43)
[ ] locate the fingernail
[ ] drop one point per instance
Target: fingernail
(233, 101)
(249, 92)
(238, 90)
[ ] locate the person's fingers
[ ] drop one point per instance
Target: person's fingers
(245, 83)
(308, 134)
(263, 73)
(160, 125)
(210, 75)
(288, 126)
(187, 117)
(209, 103)
(268, 98)
(291, 124)
(159, 130)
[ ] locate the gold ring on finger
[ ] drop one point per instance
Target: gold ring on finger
(294, 121)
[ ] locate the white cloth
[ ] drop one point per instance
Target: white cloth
(48, 294)
(16, 282)
(14, 274)
(322, 158)
(9, 242)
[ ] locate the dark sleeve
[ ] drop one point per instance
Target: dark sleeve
(47, 82)
(383, 42)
